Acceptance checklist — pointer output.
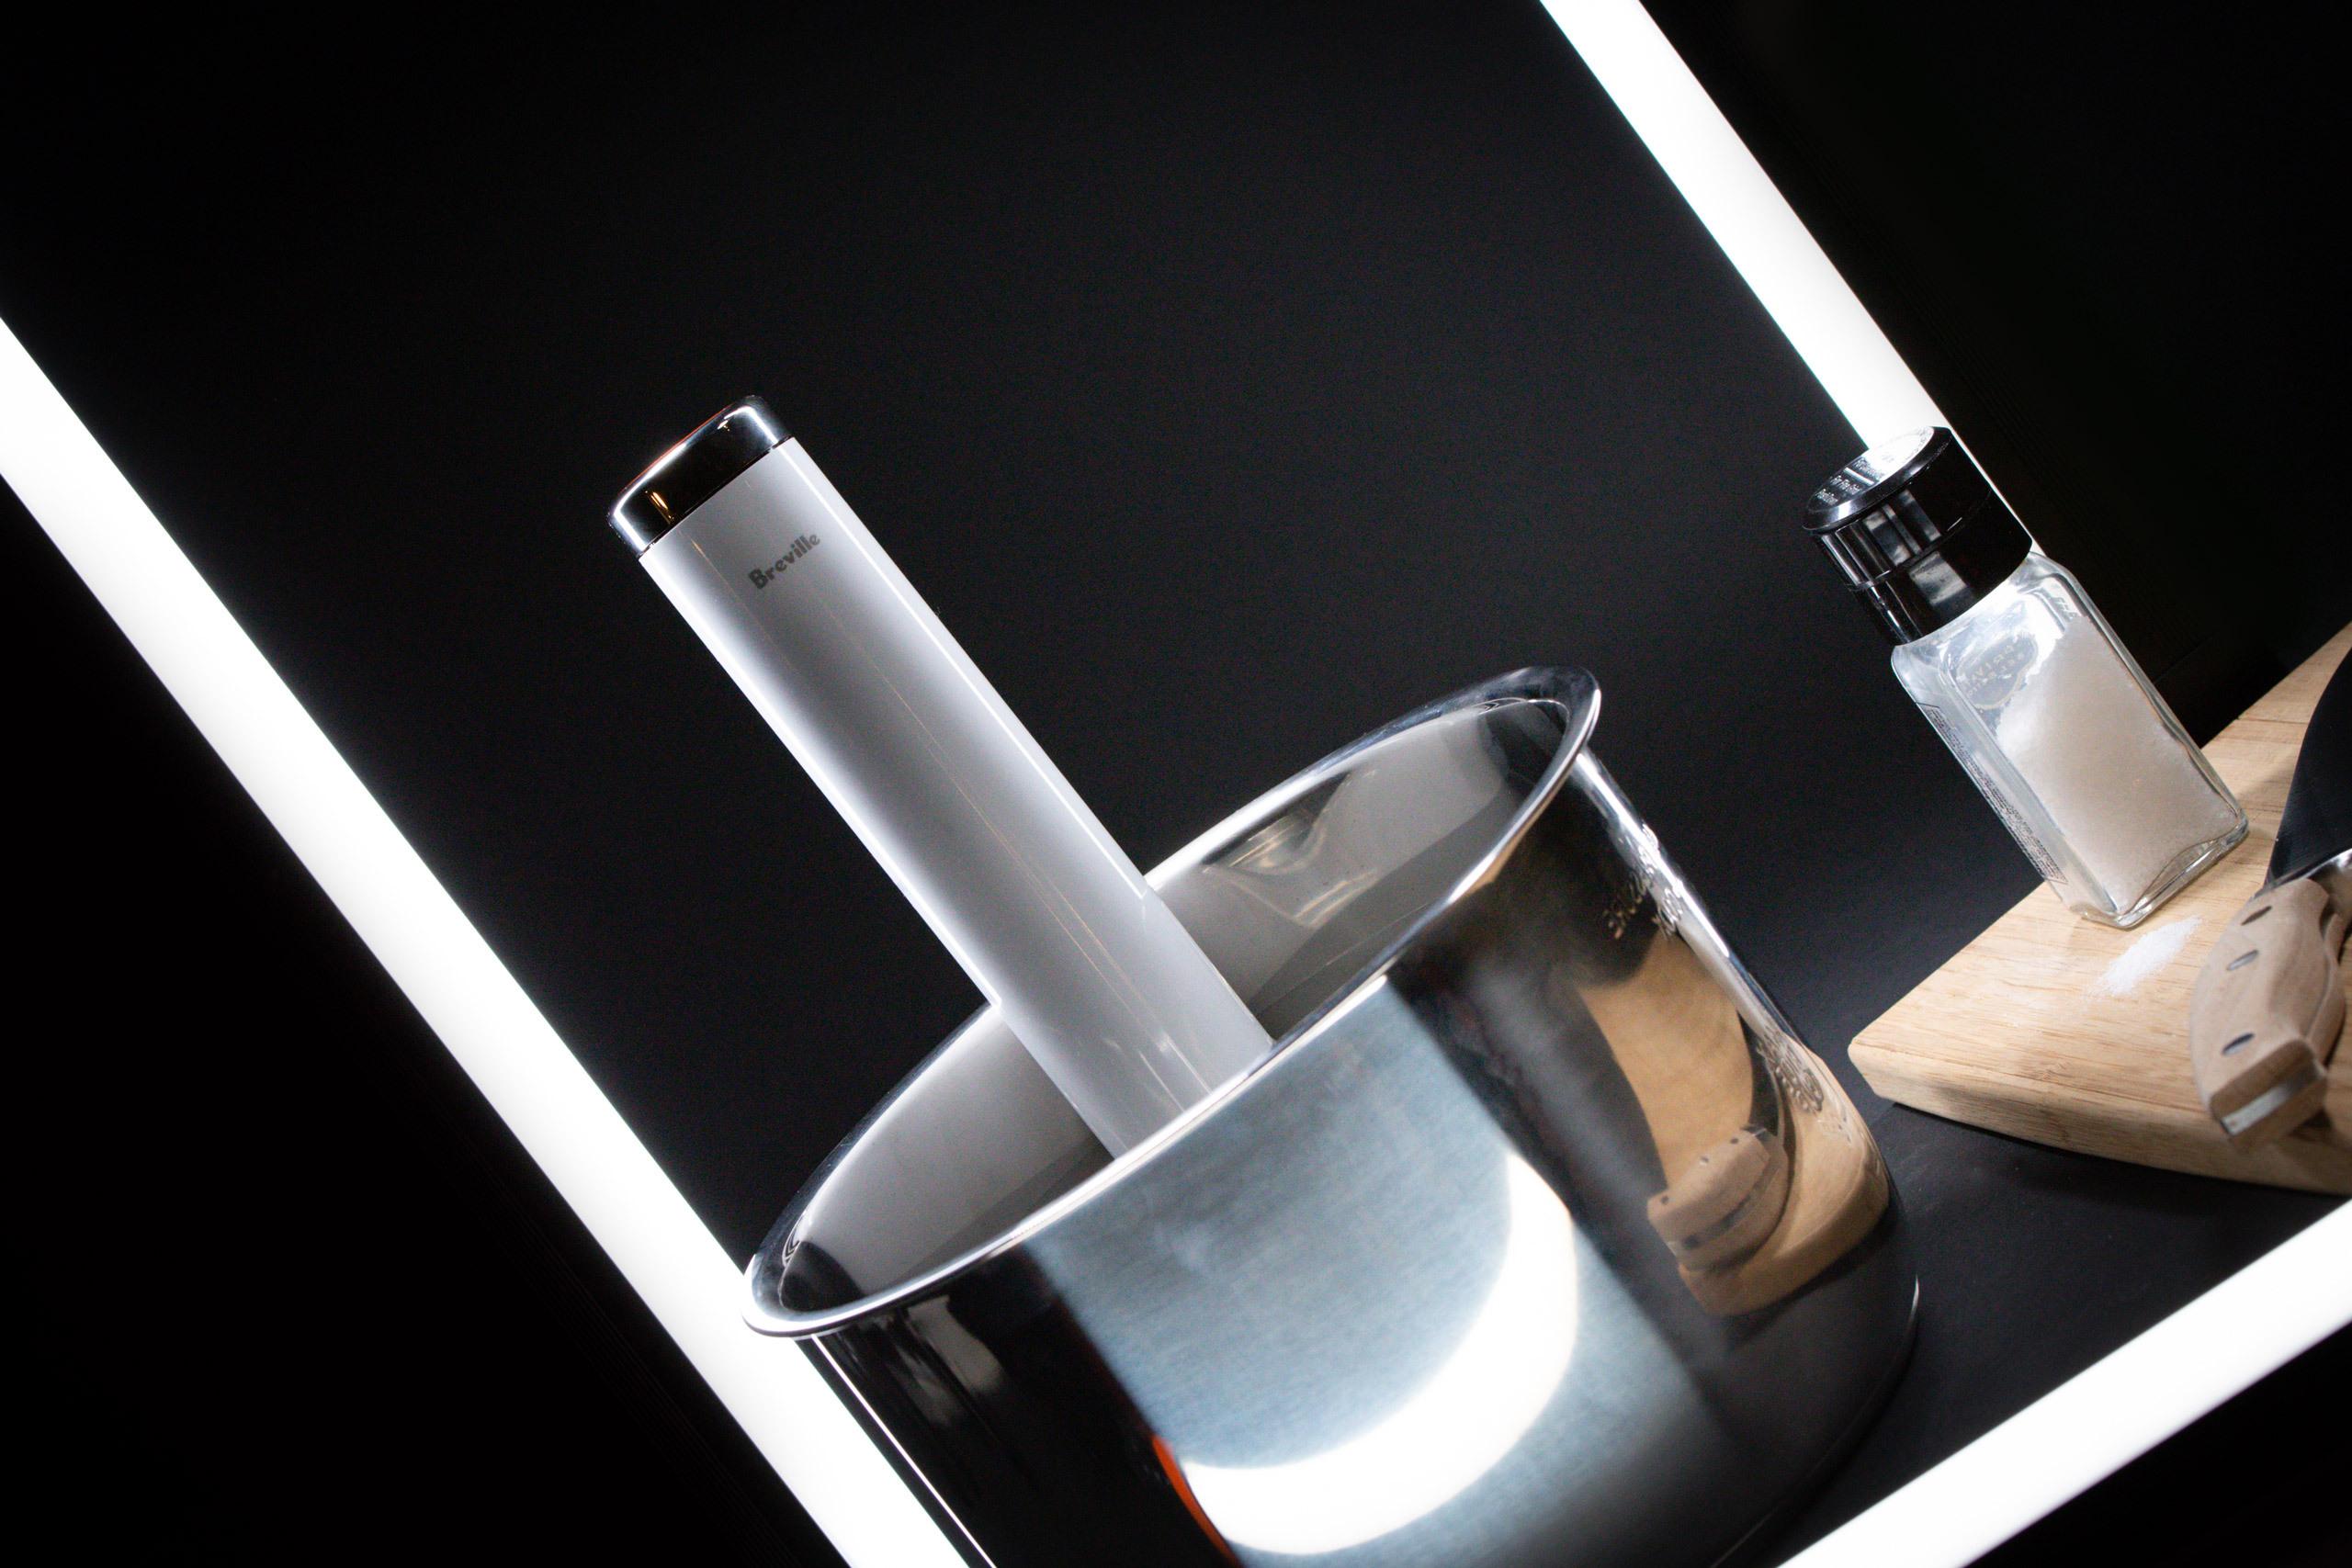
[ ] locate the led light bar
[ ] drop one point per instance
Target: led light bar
(432, 952)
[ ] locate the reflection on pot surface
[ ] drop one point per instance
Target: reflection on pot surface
(1541, 1239)
(1458, 1425)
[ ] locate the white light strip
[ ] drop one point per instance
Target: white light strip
(2091, 1426)
(2233, 1335)
(311, 796)
(1747, 215)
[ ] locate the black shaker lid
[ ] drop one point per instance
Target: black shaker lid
(1918, 532)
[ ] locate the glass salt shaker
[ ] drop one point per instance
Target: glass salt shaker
(2014, 666)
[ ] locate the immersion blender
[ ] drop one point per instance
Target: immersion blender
(1089, 967)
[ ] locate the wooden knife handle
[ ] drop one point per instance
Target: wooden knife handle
(2266, 1012)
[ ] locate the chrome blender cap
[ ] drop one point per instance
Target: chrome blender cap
(695, 469)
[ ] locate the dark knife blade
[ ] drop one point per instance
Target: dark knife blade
(2317, 825)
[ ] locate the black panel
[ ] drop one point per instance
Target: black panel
(1230, 385)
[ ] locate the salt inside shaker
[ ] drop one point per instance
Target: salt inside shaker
(2024, 681)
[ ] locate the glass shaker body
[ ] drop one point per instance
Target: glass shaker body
(2088, 769)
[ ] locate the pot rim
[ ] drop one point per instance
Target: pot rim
(1570, 689)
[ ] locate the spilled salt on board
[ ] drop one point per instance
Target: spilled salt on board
(2147, 955)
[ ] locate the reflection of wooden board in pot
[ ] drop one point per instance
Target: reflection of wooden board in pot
(2049, 1028)
(1680, 1044)
(1837, 1190)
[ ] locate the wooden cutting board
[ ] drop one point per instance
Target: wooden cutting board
(2049, 1028)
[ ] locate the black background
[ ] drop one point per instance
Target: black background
(1228, 389)
(1230, 381)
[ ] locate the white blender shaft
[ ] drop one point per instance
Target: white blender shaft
(911, 743)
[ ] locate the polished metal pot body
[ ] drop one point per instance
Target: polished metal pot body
(1539, 1240)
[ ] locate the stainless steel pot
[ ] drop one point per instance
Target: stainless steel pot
(1539, 1239)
